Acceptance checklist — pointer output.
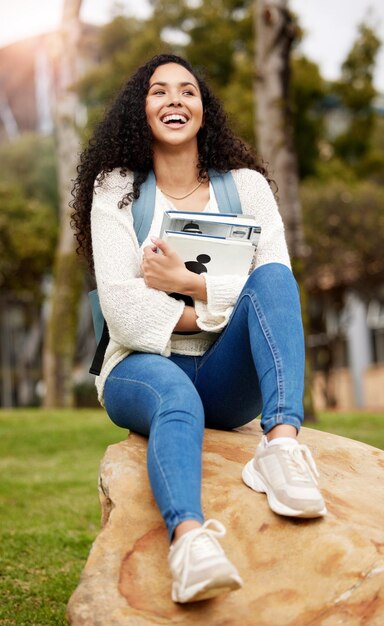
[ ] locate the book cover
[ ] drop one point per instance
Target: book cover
(229, 226)
(212, 254)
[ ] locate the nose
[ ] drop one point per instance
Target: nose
(174, 99)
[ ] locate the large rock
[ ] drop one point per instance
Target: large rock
(296, 572)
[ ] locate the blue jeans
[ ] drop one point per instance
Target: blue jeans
(256, 365)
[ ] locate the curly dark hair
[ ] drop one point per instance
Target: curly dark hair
(123, 139)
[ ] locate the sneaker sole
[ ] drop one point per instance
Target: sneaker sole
(207, 590)
(254, 480)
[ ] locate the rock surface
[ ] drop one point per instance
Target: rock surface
(296, 572)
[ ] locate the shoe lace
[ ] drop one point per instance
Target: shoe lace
(301, 463)
(204, 547)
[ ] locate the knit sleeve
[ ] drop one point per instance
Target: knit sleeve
(222, 293)
(258, 200)
(138, 317)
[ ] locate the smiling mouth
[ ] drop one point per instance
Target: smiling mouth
(174, 118)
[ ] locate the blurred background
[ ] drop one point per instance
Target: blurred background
(62, 64)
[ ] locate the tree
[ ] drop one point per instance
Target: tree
(308, 90)
(344, 228)
(60, 341)
(275, 33)
(27, 240)
(356, 92)
(29, 164)
(28, 232)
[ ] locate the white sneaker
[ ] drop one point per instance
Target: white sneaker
(199, 566)
(287, 473)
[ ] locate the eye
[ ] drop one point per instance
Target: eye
(188, 92)
(158, 92)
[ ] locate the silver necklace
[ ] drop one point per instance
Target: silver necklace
(182, 197)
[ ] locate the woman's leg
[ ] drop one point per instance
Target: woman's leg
(257, 364)
(152, 396)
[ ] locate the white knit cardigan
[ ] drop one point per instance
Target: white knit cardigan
(142, 319)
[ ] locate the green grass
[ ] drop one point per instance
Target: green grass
(49, 506)
(363, 426)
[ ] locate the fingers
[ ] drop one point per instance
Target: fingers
(149, 251)
(161, 245)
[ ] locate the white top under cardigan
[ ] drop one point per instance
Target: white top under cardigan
(142, 319)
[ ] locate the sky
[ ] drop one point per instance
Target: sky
(330, 25)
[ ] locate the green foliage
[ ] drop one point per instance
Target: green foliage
(356, 92)
(29, 164)
(307, 89)
(28, 219)
(239, 100)
(372, 166)
(218, 30)
(344, 216)
(27, 240)
(344, 230)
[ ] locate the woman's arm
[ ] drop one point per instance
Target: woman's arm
(187, 321)
(166, 271)
(138, 317)
(258, 200)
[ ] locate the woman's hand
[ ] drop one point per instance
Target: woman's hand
(168, 273)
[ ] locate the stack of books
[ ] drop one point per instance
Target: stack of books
(216, 243)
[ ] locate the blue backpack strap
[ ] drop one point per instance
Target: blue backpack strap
(142, 212)
(144, 207)
(226, 193)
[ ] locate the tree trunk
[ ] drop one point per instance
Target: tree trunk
(60, 339)
(275, 33)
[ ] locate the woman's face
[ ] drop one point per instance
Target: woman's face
(173, 105)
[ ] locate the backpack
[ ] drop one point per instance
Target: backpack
(143, 208)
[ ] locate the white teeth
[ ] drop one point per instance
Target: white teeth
(174, 118)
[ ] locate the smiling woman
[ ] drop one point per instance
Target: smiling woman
(174, 111)
(173, 367)
(174, 103)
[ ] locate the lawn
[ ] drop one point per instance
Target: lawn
(49, 507)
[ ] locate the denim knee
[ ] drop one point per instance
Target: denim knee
(182, 399)
(271, 272)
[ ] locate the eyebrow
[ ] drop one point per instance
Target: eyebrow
(162, 84)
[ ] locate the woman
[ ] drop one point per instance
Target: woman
(171, 369)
